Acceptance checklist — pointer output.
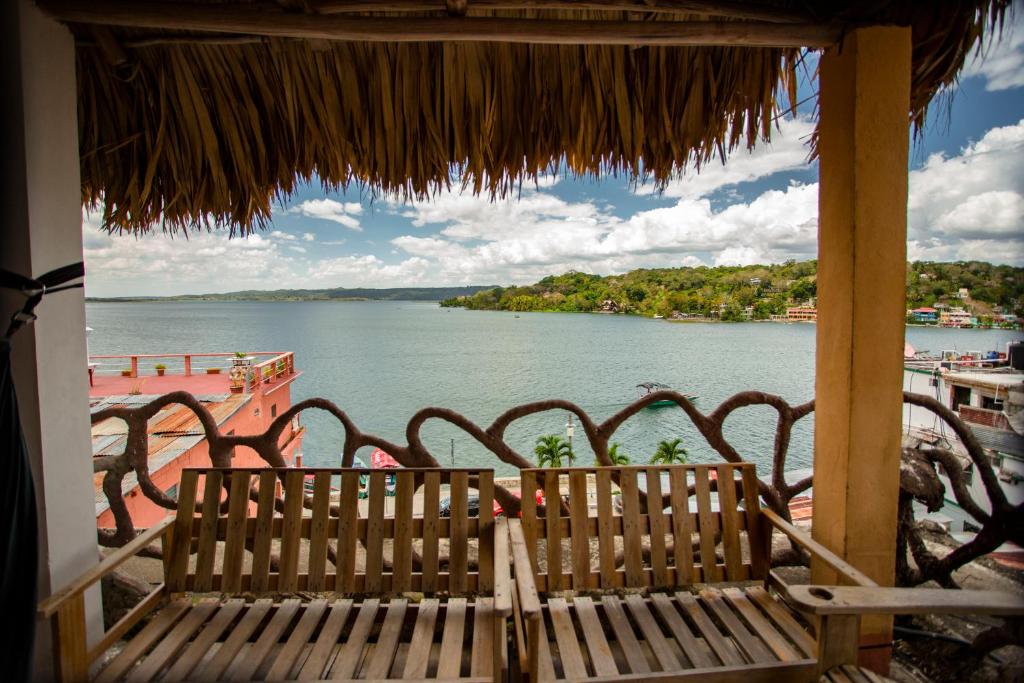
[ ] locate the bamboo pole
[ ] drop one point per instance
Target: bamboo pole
(220, 18)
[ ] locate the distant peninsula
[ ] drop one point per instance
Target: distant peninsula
(335, 294)
(989, 294)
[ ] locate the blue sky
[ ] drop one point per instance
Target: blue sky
(966, 202)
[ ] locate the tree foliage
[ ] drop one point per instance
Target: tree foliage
(670, 453)
(551, 450)
(725, 292)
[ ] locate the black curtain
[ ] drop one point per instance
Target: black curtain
(19, 548)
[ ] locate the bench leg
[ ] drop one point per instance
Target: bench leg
(838, 640)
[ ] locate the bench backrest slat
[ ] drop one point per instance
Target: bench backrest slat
(599, 527)
(343, 530)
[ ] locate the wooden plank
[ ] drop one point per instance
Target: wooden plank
(174, 641)
(731, 549)
(708, 561)
(565, 635)
(757, 539)
(783, 620)
(198, 648)
(401, 562)
(262, 533)
(383, 655)
(418, 656)
(601, 657)
(280, 24)
(578, 514)
(715, 640)
(652, 633)
(788, 672)
(632, 543)
(888, 600)
(528, 498)
(319, 531)
(656, 521)
(503, 585)
(482, 656)
(348, 518)
(238, 636)
(750, 645)
(208, 531)
(838, 639)
(605, 533)
(291, 531)
(553, 529)
(244, 668)
(778, 644)
(682, 530)
(449, 663)
(181, 540)
(69, 644)
(616, 616)
(375, 532)
(314, 668)
(457, 555)
(69, 633)
(234, 545)
(287, 656)
(161, 623)
(431, 508)
(351, 652)
(697, 656)
(485, 532)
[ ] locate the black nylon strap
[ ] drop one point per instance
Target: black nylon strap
(36, 289)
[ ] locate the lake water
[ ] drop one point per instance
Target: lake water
(383, 361)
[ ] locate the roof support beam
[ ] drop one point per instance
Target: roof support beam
(726, 10)
(863, 146)
(275, 23)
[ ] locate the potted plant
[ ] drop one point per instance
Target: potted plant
(268, 373)
(160, 369)
(127, 372)
(280, 367)
(212, 371)
(241, 358)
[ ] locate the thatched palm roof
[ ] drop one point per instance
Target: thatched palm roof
(204, 113)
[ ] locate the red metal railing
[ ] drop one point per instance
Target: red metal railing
(280, 364)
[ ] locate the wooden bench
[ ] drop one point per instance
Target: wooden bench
(250, 591)
(583, 614)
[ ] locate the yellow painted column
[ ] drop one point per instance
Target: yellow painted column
(862, 235)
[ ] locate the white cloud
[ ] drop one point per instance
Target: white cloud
(308, 237)
(959, 204)
(1000, 63)
(297, 249)
(370, 271)
(330, 210)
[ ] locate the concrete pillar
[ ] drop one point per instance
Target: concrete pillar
(862, 234)
(42, 229)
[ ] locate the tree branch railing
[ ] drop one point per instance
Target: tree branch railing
(918, 477)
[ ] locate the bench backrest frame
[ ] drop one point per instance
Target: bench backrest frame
(664, 528)
(237, 537)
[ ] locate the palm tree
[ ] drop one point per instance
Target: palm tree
(669, 453)
(616, 457)
(550, 451)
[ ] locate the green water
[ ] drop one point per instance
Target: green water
(383, 361)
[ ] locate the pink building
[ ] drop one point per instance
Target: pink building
(242, 402)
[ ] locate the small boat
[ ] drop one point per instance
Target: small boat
(647, 388)
(659, 317)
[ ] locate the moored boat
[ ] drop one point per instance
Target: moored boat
(647, 388)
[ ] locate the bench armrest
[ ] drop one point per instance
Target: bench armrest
(503, 586)
(48, 607)
(529, 601)
(804, 540)
(829, 600)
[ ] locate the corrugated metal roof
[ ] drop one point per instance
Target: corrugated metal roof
(173, 431)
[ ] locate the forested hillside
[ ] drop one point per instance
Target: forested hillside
(725, 291)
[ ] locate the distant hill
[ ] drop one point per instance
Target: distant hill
(336, 294)
(726, 291)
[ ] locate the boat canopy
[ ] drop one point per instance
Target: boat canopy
(652, 386)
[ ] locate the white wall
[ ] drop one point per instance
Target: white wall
(41, 229)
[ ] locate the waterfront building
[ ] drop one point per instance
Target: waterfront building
(955, 317)
(176, 438)
(925, 315)
(801, 314)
